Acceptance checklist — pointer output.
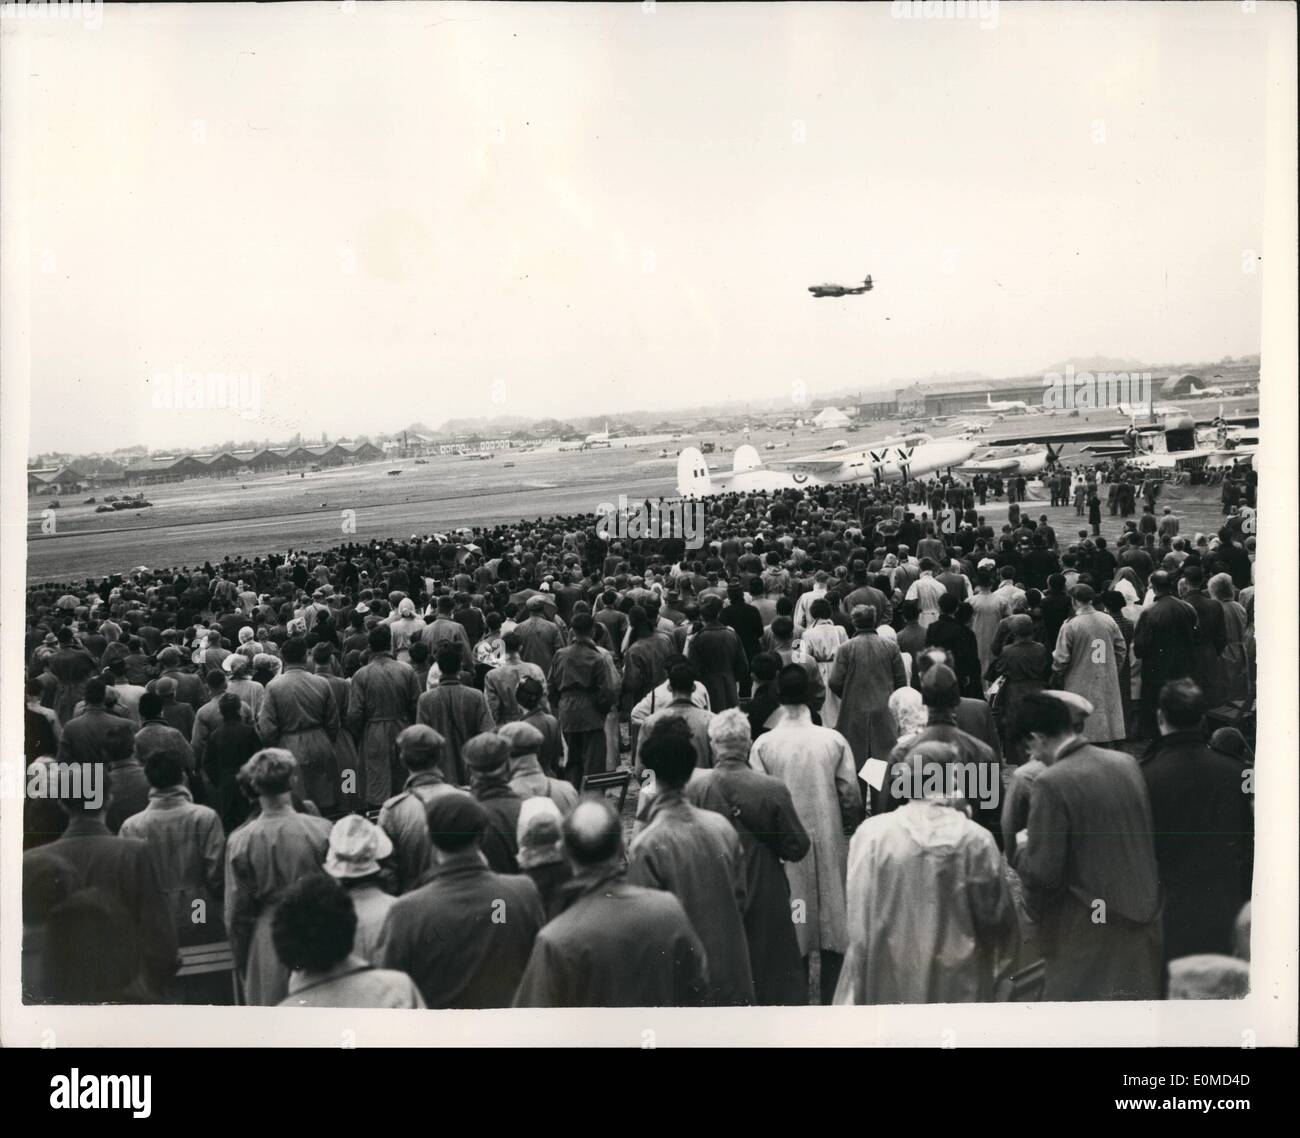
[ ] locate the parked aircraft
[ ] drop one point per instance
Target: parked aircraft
(1006, 405)
(890, 460)
(1027, 459)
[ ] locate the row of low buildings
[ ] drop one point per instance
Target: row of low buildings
(927, 400)
(176, 468)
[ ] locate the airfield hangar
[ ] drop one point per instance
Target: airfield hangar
(922, 400)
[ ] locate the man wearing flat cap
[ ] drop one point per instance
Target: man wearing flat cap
(1089, 863)
(487, 758)
(539, 636)
(404, 816)
(177, 713)
(464, 937)
(189, 688)
(527, 779)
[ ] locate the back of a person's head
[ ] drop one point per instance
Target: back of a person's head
(512, 642)
(48, 881)
(92, 951)
(793, 684)
(583, 624)
(681, 678)
(593, 833)
(165, 767)
(1182, 704)
(294, 650)
(1231, 742)
(764, 667)
(669, 752)
(456, 822)
(939, 688)
(449, 658)
(314, 925)
(228, 705)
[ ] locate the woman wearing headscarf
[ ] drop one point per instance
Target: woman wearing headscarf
(1126, 582)
(264, 857)
(541, 851)
(909, 712)
(405, 625)
(265, 668)
(889, 570)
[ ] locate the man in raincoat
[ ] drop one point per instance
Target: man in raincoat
(867, 670)
(1089, 651)
(695, 855)
(816, 763)
(299, 713)
(382, 702)
(930, 912)
(1089, 863)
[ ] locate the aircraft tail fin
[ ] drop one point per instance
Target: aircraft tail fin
(746, 458)
(693, 478)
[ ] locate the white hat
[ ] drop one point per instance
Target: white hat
(356, 847)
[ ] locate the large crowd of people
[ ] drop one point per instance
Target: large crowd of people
(880, 750)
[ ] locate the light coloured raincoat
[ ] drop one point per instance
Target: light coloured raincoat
(930, 912)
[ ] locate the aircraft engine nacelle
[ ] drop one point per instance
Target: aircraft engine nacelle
(746, 458)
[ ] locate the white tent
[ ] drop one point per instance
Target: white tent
(830, 418)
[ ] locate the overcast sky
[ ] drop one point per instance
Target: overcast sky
(412, 212)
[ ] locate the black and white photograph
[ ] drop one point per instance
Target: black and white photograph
(649, 525)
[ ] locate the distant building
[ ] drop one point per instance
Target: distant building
(54, 480)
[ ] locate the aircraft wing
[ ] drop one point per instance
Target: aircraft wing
(992, 464)
(818, 466)
(1105, 451)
